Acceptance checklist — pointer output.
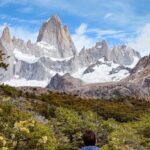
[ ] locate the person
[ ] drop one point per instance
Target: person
(89, 139)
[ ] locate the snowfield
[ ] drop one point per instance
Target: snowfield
(101, 73)
(45, 45)
(24, 82)
(61, 59)
(25, 57)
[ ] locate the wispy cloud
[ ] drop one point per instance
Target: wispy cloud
(102, 33)
(81, 39)
(108, 15)
(6, 17)
(141, 42)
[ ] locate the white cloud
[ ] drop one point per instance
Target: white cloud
(101, 33)
(82, 29)
(20, 32)
(141, 42)
(81, 39)
(108, 15)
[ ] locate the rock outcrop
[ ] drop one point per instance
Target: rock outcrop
(140, 75)
(110, 91)
(64, 83)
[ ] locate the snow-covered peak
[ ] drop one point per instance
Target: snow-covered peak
(53, 33)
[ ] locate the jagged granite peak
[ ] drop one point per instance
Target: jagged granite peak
(53, 33)
(123, 55)
(6, 35)
(91, 55)
(6, 46)
(64, 83)
(6, 42)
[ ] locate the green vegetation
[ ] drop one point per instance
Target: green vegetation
(19, 130)
(2, 58)
(53, 121)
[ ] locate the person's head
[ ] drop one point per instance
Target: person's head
(89, 138)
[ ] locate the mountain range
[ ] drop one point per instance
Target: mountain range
(54, 62)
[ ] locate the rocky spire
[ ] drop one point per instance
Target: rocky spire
(53, 33)
(6, 35)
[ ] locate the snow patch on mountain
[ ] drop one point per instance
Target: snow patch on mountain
(45, 45)
(102, 73)
(136, 60)
(25, 57)
(61, 59)
(24, 82)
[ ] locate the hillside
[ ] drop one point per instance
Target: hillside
(50, 120)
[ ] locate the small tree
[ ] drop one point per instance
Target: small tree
(3, 65)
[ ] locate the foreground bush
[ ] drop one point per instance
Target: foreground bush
(19, 131)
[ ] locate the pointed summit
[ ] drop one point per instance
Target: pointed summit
(6, 35)
(53, 33)
(55, 18)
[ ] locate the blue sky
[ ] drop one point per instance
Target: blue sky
(117, 21)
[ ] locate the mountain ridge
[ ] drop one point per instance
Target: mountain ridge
(42, 60)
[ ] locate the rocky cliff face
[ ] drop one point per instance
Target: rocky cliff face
(110, 91)
(140, 75)
(123, 55)
(88, 56)
(54, 34)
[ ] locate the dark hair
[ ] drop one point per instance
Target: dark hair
(89, 138)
